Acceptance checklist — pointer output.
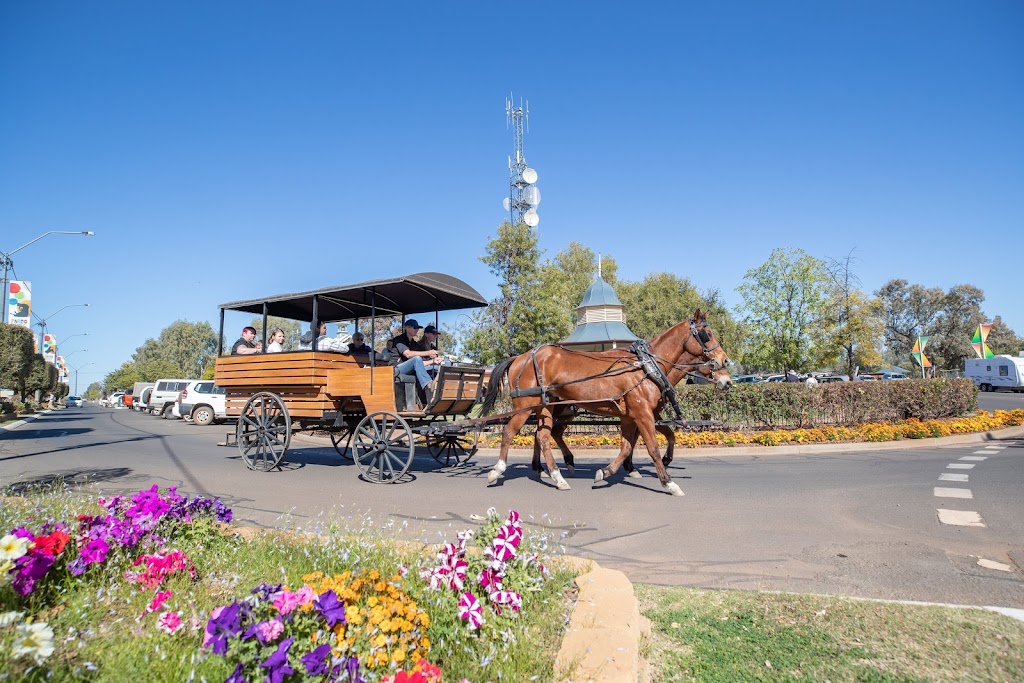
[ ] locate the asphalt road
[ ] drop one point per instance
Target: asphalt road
(861, 523)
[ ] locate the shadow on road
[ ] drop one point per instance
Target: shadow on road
(76, 447)
(28, 434)
(69, 478)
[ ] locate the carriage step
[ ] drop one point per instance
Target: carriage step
(229, 440)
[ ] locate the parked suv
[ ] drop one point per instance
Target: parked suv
(165, 393)
(203, 401)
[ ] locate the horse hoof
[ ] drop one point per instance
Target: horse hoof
(572, 470)
(674, 489)
(496, 472)
(544, 474)
(493, 476)
(635, 474)
(599, 476)
(560, 481)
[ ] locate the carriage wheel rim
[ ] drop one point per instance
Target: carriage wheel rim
(263, 432)
(378, 445)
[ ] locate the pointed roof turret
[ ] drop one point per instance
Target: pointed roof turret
(599, 321)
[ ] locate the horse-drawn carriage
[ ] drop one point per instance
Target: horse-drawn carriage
(359, 400)
(369, 407)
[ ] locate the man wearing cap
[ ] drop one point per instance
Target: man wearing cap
(247, 343)
(410, 357)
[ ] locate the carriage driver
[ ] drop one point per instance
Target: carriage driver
(411, 357)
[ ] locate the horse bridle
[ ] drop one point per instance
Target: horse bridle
(700, 332)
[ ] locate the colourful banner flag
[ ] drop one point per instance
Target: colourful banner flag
(918, 353)
(978, 341)
(50, 348)
(19, 303)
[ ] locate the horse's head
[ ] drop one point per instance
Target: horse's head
(703, 343)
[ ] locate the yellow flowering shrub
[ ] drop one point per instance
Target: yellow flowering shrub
(384, 625)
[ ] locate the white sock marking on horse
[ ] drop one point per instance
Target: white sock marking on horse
(674, 489)
(560, 481)
(635, 474)
(496, 472)
(599, 475)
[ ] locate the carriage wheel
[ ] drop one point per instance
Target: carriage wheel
(453, 448)
(263, 432)
(384, 446)
(341, 440)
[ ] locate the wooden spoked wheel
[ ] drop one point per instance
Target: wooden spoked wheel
(453, 448)
(341, 440)
(383, 446)
(263, 432)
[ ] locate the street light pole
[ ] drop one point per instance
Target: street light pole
(76, 375)
(5, 260)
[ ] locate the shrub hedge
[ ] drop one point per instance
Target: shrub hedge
(774, 405)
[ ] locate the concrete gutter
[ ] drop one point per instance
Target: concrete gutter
(8, 426)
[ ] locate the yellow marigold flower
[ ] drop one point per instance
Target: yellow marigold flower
(385, 625)
(313, 576)
(425, 643)
(376, 617)
(372, 602)
(374, 575)
(379, 586)
(380, 641)
(398, 657)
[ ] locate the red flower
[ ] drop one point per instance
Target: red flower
(53, 544)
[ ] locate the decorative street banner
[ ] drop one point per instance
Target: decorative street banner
(50, 348)
(19, 303)
(61, 369)
(978, 342)
(918, 354)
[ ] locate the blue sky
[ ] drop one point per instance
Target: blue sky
(228, 150)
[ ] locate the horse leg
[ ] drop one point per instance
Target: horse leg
(515, 423)
(629, 435)
(557, 433)
(535, 463)
(670, 438)
(647, 430)
(544, 422)
(626, 427)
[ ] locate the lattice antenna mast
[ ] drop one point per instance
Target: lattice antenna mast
(524, 195)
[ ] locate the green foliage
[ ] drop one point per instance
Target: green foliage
(93, 392)
(910, 311)
(292, 331)
(840, 404)
(131, 372)
(855, 322)
(60, 391)
(16, 350)
(960, 315)
(1003, 340)
(563, 282)
(510, 323)
(785, 311)
(42, 377)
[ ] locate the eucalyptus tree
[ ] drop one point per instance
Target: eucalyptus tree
(909, 311)
(1003, 340)
(856, 323)
(784, 310)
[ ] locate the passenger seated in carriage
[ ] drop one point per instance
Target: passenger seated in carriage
(338, 344)
(410, 357)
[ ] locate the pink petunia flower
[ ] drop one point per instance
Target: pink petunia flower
(169, 622)
(158, 600)
(268, 631)
(286, 601)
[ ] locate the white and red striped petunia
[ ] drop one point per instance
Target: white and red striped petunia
(510, 598)
(470, 610)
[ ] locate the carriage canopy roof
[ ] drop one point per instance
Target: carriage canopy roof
(416, 293)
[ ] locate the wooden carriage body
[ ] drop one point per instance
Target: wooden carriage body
(354, 400)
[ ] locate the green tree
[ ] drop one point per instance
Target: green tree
(93, 392)
(41, 377)
(564, 281)
(784, 310)
(1003, 340)
(855, 321)
(909, 311)
(509, 324)
(16, 351)
(658, 302)
(954, 326)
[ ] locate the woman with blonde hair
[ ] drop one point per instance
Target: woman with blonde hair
(276, 344)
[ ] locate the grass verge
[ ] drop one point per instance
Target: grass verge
(714, 636)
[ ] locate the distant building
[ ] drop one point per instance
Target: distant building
(600, 324)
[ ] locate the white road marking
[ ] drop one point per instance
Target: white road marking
(959, 466)
(982, 452)
(994, 448)
(977, 458)
(960, 518)
(992, 564)
(953, 493)
(948, 476)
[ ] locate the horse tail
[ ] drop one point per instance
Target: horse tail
(494, 386)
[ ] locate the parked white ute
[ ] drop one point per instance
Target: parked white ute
(203, 401)
(998, 372)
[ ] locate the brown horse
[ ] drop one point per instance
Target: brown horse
(607, 383)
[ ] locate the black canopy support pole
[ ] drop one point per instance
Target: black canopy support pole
(220, 337)
(373, 329)
(314, 325)
(264, 337)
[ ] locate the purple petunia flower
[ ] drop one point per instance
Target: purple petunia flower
(30, 568)
(222, 626)
(352, 669)
(277, 664)
(236, 675)
(95, 551)
(332, 609)
(316, 661)
(77, 566)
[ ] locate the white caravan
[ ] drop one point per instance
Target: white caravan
(998, 372)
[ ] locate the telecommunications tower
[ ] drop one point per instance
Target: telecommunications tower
(524, 195)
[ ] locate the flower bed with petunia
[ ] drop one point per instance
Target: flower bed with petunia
(904, 429)
(158, 582)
